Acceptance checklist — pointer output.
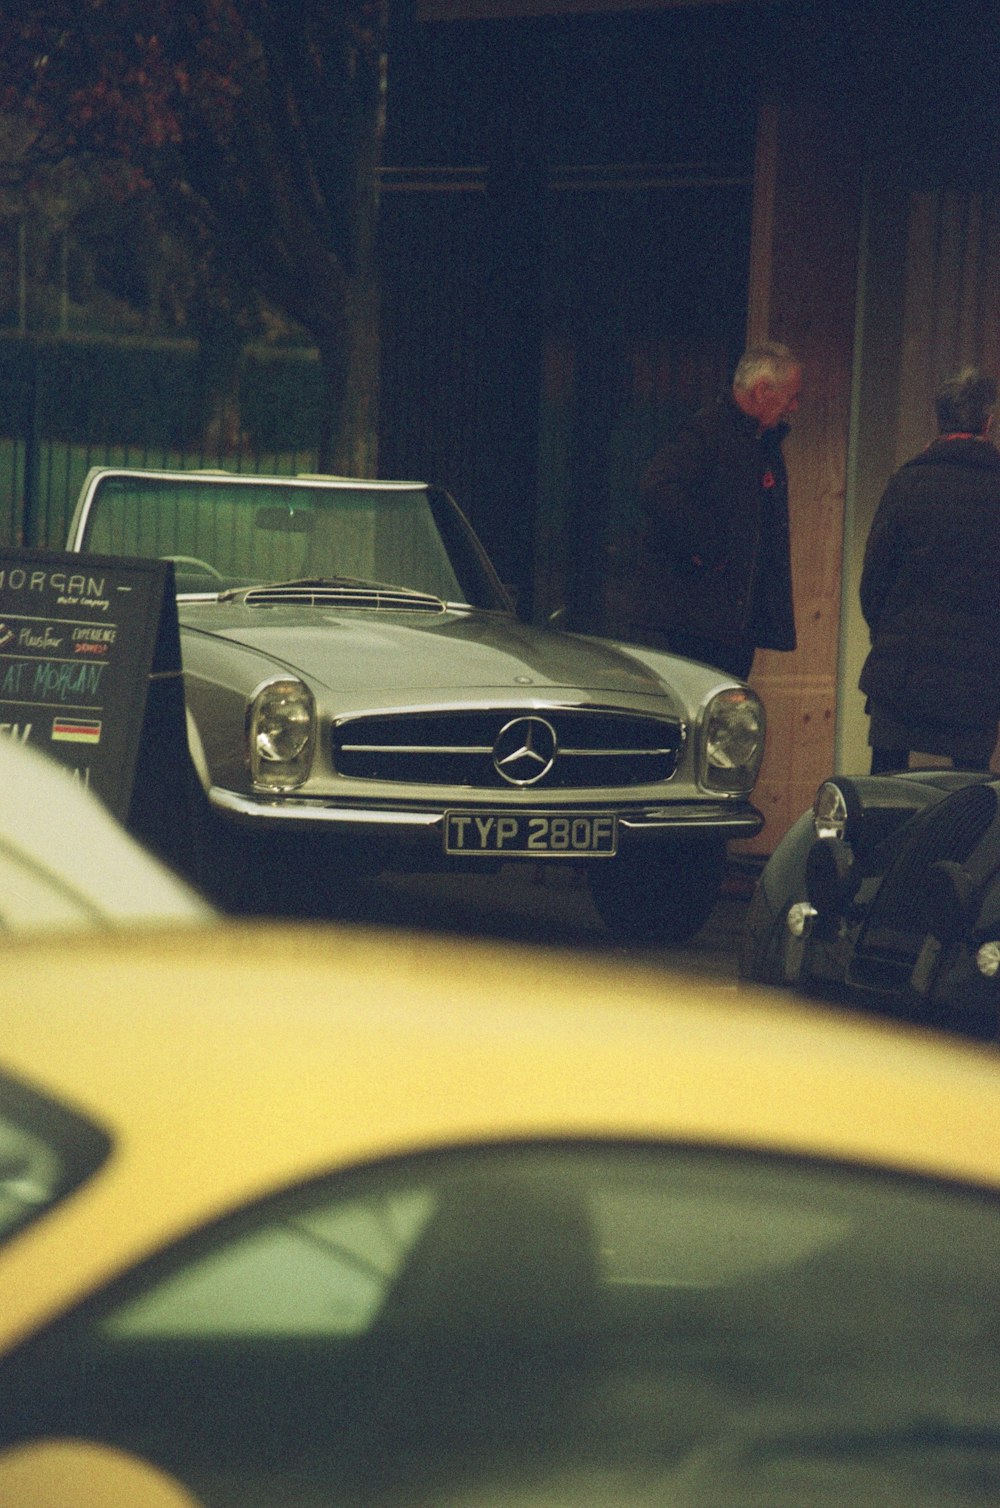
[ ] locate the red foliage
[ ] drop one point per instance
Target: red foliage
(125, 77)
(256, 123)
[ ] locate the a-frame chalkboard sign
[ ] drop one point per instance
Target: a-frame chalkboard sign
(90, 672)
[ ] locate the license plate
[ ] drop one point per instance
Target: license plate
(569, 834)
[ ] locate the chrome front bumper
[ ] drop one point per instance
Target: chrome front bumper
(731, 819)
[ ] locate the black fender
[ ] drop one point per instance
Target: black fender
(781, 884)
(880, 809)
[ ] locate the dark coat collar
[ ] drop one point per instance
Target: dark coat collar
(959, 450)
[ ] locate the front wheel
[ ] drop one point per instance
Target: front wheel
(660, 895)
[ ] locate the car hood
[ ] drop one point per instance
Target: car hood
(391, 651)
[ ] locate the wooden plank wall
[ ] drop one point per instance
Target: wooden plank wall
(803, 275)
(931, 304)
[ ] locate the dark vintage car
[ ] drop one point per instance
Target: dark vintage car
(361, 695)
(887, 894)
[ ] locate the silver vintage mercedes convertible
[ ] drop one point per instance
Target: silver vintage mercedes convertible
(361, 695)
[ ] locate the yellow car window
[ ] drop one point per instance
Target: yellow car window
(46, 1151)
(553, 1325)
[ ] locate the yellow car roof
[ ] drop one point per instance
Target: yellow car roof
(230, 1060)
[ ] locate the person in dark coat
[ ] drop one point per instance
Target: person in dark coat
(712, 578)
(930, 592)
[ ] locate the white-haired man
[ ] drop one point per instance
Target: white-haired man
(713, 576)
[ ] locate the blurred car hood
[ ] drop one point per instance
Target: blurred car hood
(446, 651)
(66, 863)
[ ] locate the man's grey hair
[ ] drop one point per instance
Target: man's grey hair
(964, 403)
(771, 360)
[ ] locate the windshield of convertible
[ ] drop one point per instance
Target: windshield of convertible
(230, 533)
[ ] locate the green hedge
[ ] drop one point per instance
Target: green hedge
(93, 391)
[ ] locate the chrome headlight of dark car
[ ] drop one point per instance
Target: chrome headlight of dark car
(988, 959)
(834, 806)
(281, 733)
(732, 744)
(832, 874)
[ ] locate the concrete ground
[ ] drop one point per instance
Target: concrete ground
(550, 906)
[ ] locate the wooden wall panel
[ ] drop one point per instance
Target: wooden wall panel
(931, 304)
(801, 711)
(803, 275)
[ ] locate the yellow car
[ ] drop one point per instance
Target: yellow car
(302, 1218)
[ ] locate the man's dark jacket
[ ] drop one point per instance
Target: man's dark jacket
(930, 588)
(713, 556)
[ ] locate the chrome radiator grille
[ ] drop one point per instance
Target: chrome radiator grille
(465, 747)
(895, 927)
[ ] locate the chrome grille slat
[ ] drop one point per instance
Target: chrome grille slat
(370, 598)
(487, 748)
(950, 831)
(414, 749)
(619, 753)
(894, 928)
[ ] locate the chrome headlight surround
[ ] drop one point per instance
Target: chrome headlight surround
(832, 812)
(731, 746)
(281, 734)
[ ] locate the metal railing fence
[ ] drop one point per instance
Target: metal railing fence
(68, 405)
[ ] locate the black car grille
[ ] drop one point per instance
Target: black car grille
(894, 928)
(591, 748)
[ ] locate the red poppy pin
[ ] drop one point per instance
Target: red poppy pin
(767, 480)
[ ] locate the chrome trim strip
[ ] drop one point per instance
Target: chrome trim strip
(526, 700)
(488, 749)
(299, 810)
(745, 824)
(415, 748)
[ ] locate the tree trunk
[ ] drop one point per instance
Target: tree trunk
(220, 366)
(349, 356)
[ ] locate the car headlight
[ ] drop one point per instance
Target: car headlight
(839, 812)
(800, 918)
(830, 812)
(732, 740)
(988, 960)
(281, 732)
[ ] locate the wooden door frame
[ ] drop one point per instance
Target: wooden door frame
(803, 290)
